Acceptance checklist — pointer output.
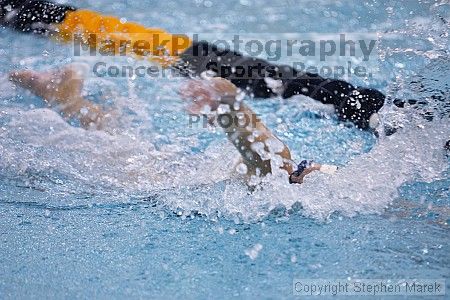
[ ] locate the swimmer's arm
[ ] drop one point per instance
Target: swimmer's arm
(90, 115)
(62, 89)
(251, 141)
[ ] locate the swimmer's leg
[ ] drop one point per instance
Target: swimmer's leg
(62, 89)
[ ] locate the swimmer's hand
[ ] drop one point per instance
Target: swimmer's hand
(305, 168)
(206, 95)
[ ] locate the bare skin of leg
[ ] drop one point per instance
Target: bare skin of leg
(62, 89)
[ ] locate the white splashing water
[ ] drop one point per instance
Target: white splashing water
(41, 142)
(370, 182)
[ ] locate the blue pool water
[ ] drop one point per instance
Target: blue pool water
(87, 214)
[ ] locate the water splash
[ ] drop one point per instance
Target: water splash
(148, 158)
(40, 144)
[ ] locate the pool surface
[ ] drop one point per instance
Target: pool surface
(156, 211)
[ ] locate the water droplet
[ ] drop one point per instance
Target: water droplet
(254, 251)
(241, 169)
(84, 111)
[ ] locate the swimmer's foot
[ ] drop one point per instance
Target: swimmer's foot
(55, 87)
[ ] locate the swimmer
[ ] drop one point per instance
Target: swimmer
(257, 77)
(193, 59)
(260, 149)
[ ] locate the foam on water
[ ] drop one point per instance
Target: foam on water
(39, 144)
(41, 141)
(39, 150)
